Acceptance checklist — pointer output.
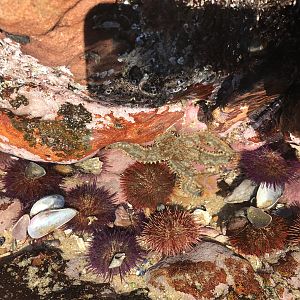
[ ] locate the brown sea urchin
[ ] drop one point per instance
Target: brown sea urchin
(250, 240)
(114, 251)
(147, 185)
(294, 231)
(294, 224)
(268, 166)
(170, 232)
(95, 206)
(29, 188)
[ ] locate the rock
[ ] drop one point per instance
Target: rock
(42, 274)
(54, 123)
(9, 212)
(209, 271)
(241, 193)
(51, 26)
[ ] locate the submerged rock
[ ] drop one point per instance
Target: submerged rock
(38, 274)
(209, 271)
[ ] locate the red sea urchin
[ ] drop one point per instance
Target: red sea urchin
(114, 251)
(170, 232)
(268, 166)
(29, 188)
(294, 231)
(95, 206)
(250, 240)
(294, 224)
(147, 185)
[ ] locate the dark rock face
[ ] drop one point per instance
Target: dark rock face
(153, 51)
(169, 46)
(39, 274)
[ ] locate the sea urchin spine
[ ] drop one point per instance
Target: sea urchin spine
(250, 240)
(170, 232)
(95, 206)
(114, 251)
(147, 185)
(268, 166)
(19, 185)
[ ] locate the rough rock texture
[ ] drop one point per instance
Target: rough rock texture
(43, 118)
(39, 274)
(209, 271)
(56, 29)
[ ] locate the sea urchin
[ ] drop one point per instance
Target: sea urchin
(250, 240)
(147, 185)
(294, 226)
(170, 232)
(268, 166)
(114, 251)
(95, 206)
(19, 185)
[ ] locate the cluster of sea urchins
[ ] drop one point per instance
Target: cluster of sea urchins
(250, 240)
(170, 232)
(265, 165)
(147, 185)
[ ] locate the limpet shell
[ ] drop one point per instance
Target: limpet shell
(267, 196)
(34, 170)
(49, 220)
(48, 202)
(258, 217)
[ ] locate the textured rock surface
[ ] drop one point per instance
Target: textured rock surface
(56, 29)
(42, 273)
(42, 118)
(209, 271)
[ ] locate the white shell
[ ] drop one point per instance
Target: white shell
(48, 202)
(242, 192)
(47, 221)
(117, 260)
(267, 196)
(201, 216)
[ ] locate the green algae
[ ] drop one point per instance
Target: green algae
(66, 136)
(20, 100)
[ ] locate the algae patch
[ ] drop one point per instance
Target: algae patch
(67, 135)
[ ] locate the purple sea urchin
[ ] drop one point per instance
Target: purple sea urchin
(29, 188)
(268, 166)
(95, 206)
(250, 240)
(114, 251)
(170, 232)
(147, 185)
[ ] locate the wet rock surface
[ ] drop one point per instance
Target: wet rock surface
(209, 271)
(191, 85)
(38, 273)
